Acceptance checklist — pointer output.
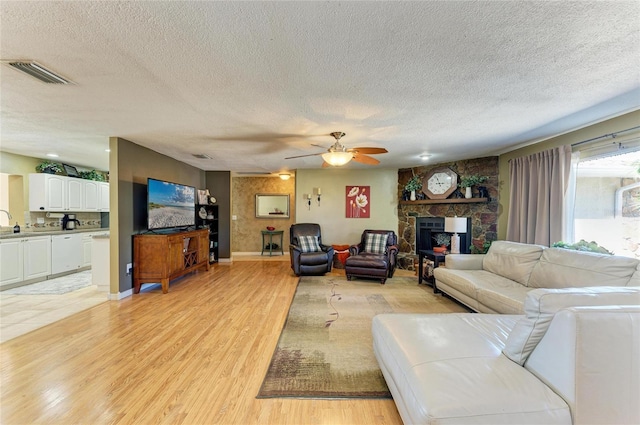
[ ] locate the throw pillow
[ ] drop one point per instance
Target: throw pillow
(542, 304)
(376, 243)
(309, 243)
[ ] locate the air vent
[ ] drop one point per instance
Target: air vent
(38, 71)
(201, 156)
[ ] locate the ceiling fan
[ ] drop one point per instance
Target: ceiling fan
(338, 154)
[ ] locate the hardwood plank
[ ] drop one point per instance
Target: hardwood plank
(196, 355)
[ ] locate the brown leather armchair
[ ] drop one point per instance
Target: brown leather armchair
(379, 264)
(313, 262)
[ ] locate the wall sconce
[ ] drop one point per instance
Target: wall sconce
(318, 192)
(309, 201)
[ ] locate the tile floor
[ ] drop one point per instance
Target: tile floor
(20, 314)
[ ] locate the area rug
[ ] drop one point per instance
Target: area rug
(57, 286)
(325, 349)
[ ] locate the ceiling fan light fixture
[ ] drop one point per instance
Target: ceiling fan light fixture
(284, 176)
(337, 159)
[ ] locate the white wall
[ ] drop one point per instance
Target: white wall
(336, 228)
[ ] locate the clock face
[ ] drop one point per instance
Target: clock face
(440, 183)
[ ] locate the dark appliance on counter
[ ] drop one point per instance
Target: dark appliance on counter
(69, 222)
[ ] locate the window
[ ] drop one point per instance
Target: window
(607, 201)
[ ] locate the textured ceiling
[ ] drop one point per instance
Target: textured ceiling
(249, 83)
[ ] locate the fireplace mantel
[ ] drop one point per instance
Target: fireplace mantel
(446, 201)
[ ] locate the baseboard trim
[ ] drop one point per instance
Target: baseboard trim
(120, 295)
(261, 254)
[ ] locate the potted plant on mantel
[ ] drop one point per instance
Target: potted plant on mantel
(412, 185)
(468, 181)
(443, 240)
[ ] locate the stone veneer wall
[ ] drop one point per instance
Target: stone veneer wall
(484, 216)
(246, 229)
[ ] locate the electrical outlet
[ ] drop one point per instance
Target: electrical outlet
(40, 220)
(129, 267)
(234, 217)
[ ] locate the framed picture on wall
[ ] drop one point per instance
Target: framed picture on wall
(358, 201)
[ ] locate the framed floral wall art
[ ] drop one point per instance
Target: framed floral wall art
(358, 201)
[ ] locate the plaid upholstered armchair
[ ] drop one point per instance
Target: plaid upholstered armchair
(374, 257)
(308, 255)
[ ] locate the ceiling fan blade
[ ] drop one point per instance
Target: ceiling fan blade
(302, 156)
(369, 151)
(365, 159)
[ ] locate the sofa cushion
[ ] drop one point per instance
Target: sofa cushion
(464, 281)
(564, 268)
(541, 305)
(499, 294)
(376, 243)
(635, 278)
(448, 369)
(512, 260)
(309, 243)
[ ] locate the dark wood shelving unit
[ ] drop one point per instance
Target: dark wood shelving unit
(446, 201)
(212, 225)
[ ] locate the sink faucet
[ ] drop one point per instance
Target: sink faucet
(8, 214)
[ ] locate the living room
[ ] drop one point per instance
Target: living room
(199, 354)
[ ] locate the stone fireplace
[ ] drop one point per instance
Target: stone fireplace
(418, 216)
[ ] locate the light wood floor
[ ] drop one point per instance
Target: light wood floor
(196, 355)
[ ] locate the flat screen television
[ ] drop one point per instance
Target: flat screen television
(170, 205)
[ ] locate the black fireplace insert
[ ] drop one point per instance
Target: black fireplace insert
(427, 227)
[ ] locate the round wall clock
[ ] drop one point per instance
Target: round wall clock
(439, 183)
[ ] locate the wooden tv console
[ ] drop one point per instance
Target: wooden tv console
(162, 257)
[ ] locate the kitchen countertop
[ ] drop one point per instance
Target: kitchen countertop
(31, 234)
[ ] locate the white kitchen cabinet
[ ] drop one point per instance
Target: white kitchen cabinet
(100, 267)
(91, 199)
(87, 246)
(49, 192)
(11, 261)
(37, 257)
(103, 188)
(75, 189)
(86, 249)
(24, 259)
(66, 253)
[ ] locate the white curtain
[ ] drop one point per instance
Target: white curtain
(538, 187)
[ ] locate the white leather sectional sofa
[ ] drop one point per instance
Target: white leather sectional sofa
(567, 351)
(498, 281)
(573, 358)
